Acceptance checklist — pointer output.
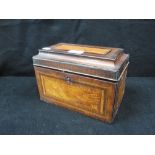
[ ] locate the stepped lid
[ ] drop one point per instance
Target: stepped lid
(95, 61)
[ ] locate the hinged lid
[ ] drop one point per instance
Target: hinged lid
(102, 62)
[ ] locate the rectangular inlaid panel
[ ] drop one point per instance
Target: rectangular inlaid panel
(86, 49)
(78, 95)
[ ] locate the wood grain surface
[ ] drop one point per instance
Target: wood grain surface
(87, 49)
(92, 97)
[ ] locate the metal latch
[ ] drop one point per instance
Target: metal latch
(67, 79)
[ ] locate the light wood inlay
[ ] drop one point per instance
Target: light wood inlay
(86, 49)
(76, 94)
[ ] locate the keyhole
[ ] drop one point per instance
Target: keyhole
(68, 79)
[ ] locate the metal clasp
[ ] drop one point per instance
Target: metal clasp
(67, 79)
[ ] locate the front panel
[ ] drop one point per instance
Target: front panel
(90, 96)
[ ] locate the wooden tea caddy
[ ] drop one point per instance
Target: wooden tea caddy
(87, 79)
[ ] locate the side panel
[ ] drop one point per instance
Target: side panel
(120, 88)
